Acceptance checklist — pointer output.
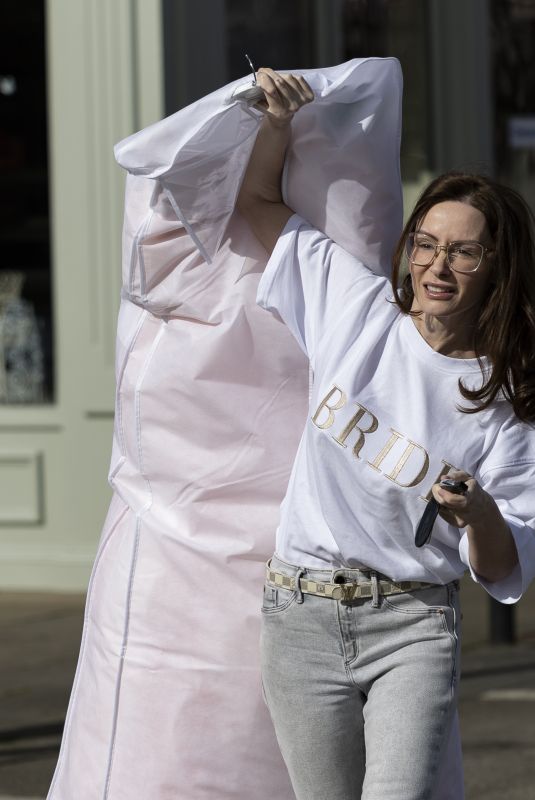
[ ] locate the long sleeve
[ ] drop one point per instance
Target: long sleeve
(341, 174)
(312, 283)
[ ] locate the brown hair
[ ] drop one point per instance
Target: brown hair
(505, 328)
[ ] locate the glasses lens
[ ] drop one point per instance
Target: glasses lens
(420, 249)
(461, 256)
(464, 256)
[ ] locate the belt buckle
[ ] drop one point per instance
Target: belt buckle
(349, 591)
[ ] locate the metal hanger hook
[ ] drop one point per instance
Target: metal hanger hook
(252, 69)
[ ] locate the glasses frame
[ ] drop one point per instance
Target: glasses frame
(438, 247)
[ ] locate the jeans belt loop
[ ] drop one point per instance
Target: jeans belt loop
(375, 590)
(298, 586)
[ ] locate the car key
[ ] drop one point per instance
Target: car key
(425, 526)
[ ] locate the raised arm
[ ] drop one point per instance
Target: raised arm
(260, 197)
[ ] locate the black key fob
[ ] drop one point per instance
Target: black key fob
(425, 526)
(457, 487)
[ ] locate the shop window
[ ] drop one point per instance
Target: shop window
(26, 356)
(400, 29)
(300, 35)
(513, 50)
(275, 33)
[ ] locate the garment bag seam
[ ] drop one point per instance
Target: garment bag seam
(124, 646)
(83, 644)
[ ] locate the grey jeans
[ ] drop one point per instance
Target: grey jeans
(361, 695)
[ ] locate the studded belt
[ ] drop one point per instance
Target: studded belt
(350, 590)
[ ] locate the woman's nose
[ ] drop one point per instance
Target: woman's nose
(440, 264)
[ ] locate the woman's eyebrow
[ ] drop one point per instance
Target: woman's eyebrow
(425, 233)
(420, 230)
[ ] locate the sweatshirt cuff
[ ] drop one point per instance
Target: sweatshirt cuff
(510, 589)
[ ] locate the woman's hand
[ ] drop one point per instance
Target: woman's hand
(491, 546)
(462, 509)
(285, 95)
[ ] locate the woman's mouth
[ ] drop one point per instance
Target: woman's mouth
(437, 292)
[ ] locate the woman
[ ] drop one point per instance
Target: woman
(412, 383)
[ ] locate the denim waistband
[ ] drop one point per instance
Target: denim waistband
(328, 574)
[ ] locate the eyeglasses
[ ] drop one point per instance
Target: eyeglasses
(461, 256)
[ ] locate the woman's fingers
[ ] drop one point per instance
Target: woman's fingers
(305, 88)
(458, 509)
(285, 94)
(267, 78)
(275, 102)
(451, 499)
(302, 90)
(279, 87)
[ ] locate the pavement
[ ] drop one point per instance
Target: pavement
(39, 643)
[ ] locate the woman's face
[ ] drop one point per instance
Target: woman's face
(439, 291)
